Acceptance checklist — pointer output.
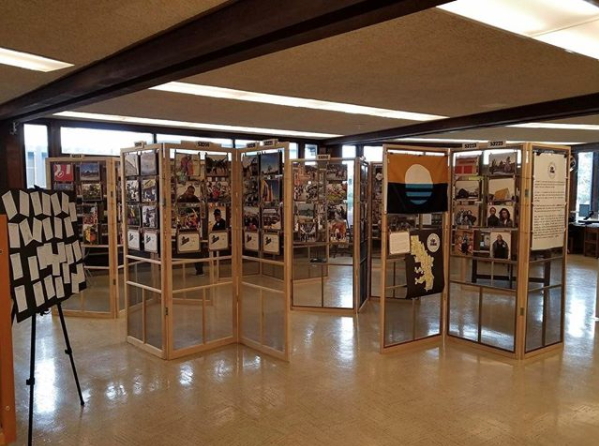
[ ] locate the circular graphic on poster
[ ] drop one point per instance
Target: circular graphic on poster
(433, 243)
(419, 184)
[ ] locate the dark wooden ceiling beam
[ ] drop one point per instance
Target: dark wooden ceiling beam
(237, 31)
(542, 111)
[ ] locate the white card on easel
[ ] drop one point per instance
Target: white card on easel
(17, 268)
(68, 227)
(66, 273)
(48, 232)
(37, 203)
(49, 284)
(73, 211)
(58, 228)
(38, 291)
(70, 256)
(26, 232)
(46, 208)
(21, 298)
(77, 250)
(34, 272)
(65, 203)
(59, 286)
(37, 230)
(13, 235)
(62, 255)
(9, 205)
(75, 287)
(55, 204)
(24, 203)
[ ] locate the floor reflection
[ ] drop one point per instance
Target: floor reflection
(337, 389)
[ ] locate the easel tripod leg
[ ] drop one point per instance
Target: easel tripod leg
(69, 351)
(31, 381)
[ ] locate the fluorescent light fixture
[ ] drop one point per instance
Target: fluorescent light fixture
(572, 25)
(192, 125)
(482, 141)
(30, 61)
(288, 101)
(557, 126)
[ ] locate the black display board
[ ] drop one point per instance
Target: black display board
(46, 260)
(424, 263)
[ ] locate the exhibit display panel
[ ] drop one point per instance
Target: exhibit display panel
(329, 236)
(509, 220)
(178, 252)
(413, 231)
(96, 184)
(375, 206)
(266, 259)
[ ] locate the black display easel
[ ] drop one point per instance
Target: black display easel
(31, 381)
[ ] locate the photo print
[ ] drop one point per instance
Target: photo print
(149, 190)
(337, 212)
(271, 191)
(189, 192)
(485, 241)
(501, 190)
(336, 192)
(271, 218)
(500, 216)
(336, 172)
(251, 191)
(305, 192)
(466, 215)
(63, 172)
(132, 191)
(251, 241)
(63, 186)
(131, 164)
(91, 191)
(307, 231)
(133, 239)
(250, 165)
(501, 245)
(188, 241)
(401, 222)
(466, 165)
(217, 218)
(186, 165)
(304, 173)
(189, 217)
(91, 213)
(271, 243)
(251, 218)
(271, 163)
(467, 190)
(305, 211)
(149, 217)
(91, 234)
(149, 162)
(503, 163)
(463, 242)
(218, 241)
(338, 231)
(89, 172)
(133, 215)
(151, 241)
(217, 165)
(218, 191)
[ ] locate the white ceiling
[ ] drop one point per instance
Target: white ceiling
(430, 62)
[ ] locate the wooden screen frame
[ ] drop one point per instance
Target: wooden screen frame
(112, 177)
(8, 430)
(431, 340)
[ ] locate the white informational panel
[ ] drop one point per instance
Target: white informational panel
(549, 200)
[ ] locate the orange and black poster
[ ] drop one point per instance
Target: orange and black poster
(417, 184)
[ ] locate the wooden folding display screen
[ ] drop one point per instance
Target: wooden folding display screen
(329, 246)
(374, 223)
(96, 183)
(406, 319)
(509, 221)
(7, 383)
(189, 286)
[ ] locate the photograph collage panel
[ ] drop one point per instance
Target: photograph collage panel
(217, 165)
(336, 172)
(218, 190)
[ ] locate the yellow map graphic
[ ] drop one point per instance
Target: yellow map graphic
(424, 272)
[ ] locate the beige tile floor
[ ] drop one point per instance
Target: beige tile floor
(337, 389)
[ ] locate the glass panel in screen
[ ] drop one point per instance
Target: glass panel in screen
(273, 308)
(153, 317)
(96, 298)
(135, 312)
(498, 319)
(464, 303)
(250, 313)
(544, 318)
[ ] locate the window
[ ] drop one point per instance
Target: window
(310, 151)
(293, 148)
(36, 150)
(348, 151)
(243, 143)
(373, 154)
(83, 141)
(177, 139)
(584, 183)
